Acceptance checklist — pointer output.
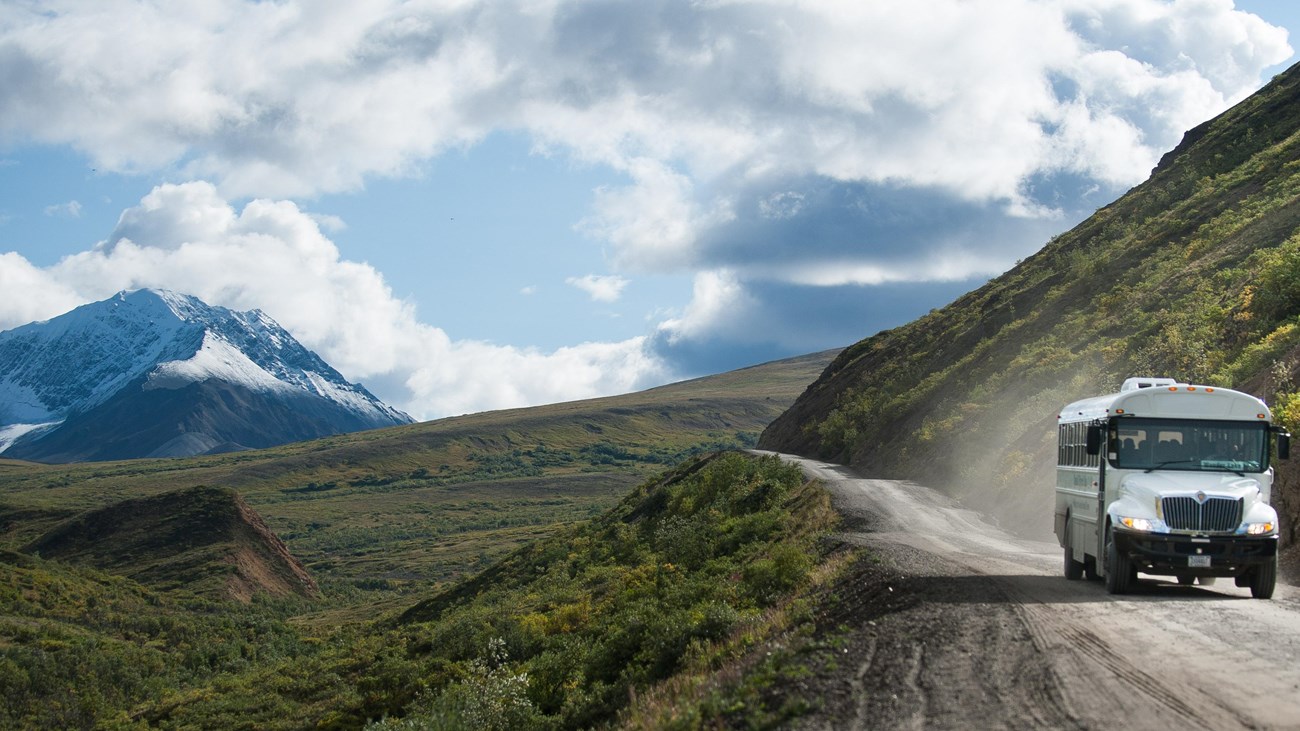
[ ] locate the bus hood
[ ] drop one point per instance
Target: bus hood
(1149, 486)
(1142, 496)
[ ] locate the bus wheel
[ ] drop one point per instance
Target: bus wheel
(1207, 580)
(1263, 579)
(1186, 580)
(1073, 569)
(1119, 570)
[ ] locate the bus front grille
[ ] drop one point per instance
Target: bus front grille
(1215, 514)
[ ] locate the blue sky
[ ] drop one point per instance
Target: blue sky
(475, 205)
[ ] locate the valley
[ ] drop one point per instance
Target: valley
(380, 513)
(400, 529)
(641, 615)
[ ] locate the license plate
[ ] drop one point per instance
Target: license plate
(1198, 562)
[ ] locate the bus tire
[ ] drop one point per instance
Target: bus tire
(1119, 570)
(1186, 579)
(1073, 569)
(1263, 579)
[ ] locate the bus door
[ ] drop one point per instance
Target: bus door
(1101, 440)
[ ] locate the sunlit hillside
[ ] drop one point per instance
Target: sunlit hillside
(1194, 274)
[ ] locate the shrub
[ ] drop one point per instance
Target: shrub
(1276, 294)
(766, 579)
(491, 697)
(684, 541)
(1286, 410)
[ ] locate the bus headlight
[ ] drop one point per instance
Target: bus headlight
(1258, 529)
(1147, 525)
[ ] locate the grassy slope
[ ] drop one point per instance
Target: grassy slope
(204, 539)
(564, 631)
(80, 647)
(1194, 274)
(680, 580)
(375, 514)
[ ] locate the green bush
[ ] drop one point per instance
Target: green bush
(686, 542)
(784, 568)
(1276, 293)
(492, 697)
(618, 604)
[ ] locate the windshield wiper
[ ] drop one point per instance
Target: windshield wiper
(1166, 464)
(1213, 464)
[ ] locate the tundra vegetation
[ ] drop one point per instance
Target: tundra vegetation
(532, 568)
(684, 577)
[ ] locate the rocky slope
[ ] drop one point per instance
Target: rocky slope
(1194, 274)
(156, 373)
(205, 539)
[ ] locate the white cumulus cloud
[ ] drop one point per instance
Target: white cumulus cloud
(765, 145)
(601, 288)
(694, 102)
(272, 256)
(718, 303)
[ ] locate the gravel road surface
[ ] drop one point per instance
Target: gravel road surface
(953, 623)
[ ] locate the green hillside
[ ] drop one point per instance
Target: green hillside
(645, 613)
(679, 574)
(380, 514)
(80, 648)
(203, 539)
(1194, 274)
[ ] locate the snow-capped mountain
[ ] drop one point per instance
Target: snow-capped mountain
(157, 373)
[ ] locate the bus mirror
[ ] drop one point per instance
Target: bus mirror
(1094, 440)
(1284, 446)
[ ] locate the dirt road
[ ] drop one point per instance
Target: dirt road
(956, 624)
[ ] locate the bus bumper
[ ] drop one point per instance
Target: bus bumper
(1184, 555)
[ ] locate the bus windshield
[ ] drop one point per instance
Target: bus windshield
(1183, 444)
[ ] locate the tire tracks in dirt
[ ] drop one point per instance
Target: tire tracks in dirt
(948, 622)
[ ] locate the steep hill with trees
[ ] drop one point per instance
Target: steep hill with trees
(1194, 274)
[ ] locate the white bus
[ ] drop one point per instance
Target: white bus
(1171, 479)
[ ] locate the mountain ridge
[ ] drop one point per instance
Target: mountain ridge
(73, 372)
